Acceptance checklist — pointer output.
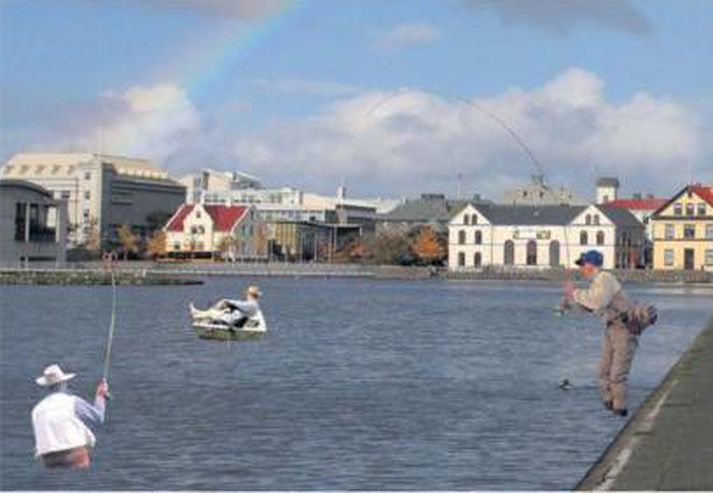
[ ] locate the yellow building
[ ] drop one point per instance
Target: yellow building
(683, 230)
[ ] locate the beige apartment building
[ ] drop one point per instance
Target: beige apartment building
(683, 230)
(102, 191)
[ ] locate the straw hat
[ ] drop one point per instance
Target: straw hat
(254, 291)
(53, 375)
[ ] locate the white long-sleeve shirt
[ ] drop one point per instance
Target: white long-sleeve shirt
(60, 422)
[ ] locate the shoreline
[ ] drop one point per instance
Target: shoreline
(650, 451)
(148, 273)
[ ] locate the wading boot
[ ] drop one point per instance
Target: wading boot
(621, 412)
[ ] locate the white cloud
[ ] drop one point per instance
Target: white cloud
(411, 140)
(149, 122)
(239, 9)
(407, 36)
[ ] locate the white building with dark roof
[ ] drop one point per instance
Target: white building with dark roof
(548, 236)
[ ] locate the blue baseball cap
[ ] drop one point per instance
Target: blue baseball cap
(590, 257)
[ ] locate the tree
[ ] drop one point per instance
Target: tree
(156, 246)
(128, 240)
(260, 239)
(226, 246)
(387, 248)
(427, 246)
(93, 241)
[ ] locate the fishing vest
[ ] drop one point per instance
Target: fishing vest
(57, 426)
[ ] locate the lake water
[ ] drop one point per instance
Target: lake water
(359, 385)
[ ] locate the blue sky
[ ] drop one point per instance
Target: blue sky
(286, 102)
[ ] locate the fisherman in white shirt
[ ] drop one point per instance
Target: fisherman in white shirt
(60, 421)
(231, 312)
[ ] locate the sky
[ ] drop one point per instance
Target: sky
(392, 98)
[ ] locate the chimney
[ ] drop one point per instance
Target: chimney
(637, 196)
(341, 192)
(477, 198)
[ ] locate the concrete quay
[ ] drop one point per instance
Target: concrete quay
(668, 442)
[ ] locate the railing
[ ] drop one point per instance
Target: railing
(43, 235)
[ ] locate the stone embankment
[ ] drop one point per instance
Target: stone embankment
(668, 443)
(91, 277)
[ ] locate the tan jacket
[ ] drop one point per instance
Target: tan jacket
(604, 296)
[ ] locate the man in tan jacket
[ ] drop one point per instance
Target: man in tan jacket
(605, 297)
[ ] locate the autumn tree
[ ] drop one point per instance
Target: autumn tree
(387, 248)
(128, 240)
(156, 246)
(227, 245)
(427, 246)
(93, 241)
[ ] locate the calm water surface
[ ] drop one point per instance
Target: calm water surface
(358, 385)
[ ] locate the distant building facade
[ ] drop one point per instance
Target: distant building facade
(198, 230)
(102, 192)
(607, 189)
(33, 224)
(209, 180)
(430, 209)
(537, 192)
(683, 230)
(550, 236)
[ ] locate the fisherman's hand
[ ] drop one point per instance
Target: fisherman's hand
(102, 389)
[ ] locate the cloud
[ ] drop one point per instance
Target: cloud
(143, 121)
(560, 16)
(409, 140)
(407, 36)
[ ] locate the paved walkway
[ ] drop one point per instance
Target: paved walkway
(668, 443)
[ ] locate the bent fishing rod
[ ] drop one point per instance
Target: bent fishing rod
(112, 326)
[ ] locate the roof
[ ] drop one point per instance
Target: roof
(24, 184)
(620, 216)
(530, 215)
(650, 204)
(224, 217)
(428, 208)
(703, 191)
(608, 181)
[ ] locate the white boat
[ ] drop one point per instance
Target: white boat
(253, 328)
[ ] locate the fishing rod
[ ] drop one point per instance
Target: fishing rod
(112, 326)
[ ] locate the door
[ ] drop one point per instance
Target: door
(688, 259)
(554, 253)
(509, 253)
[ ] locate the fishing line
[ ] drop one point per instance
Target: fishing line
(112, 326)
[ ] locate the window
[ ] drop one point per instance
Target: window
(669, 232)
(478, 237)
(478, 259)
(701, 209)
(668, 257)
(689, 231)
(600, 238)
(87, 175)
(461, 259)
(20, 221)
(474, 219)
(194, 230)
(605, 198)
(86, 213)
(677, 209)
(596, 219)
(531, 258)
(709, 258)
(466, 219)
(461, 237)
(87, 195)
(583, 238)
(177, 246)
(709, 231)
(588, 219)
(198, 214)
(65, 194)
(690, 209)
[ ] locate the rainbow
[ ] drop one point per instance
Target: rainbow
(214, 58)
